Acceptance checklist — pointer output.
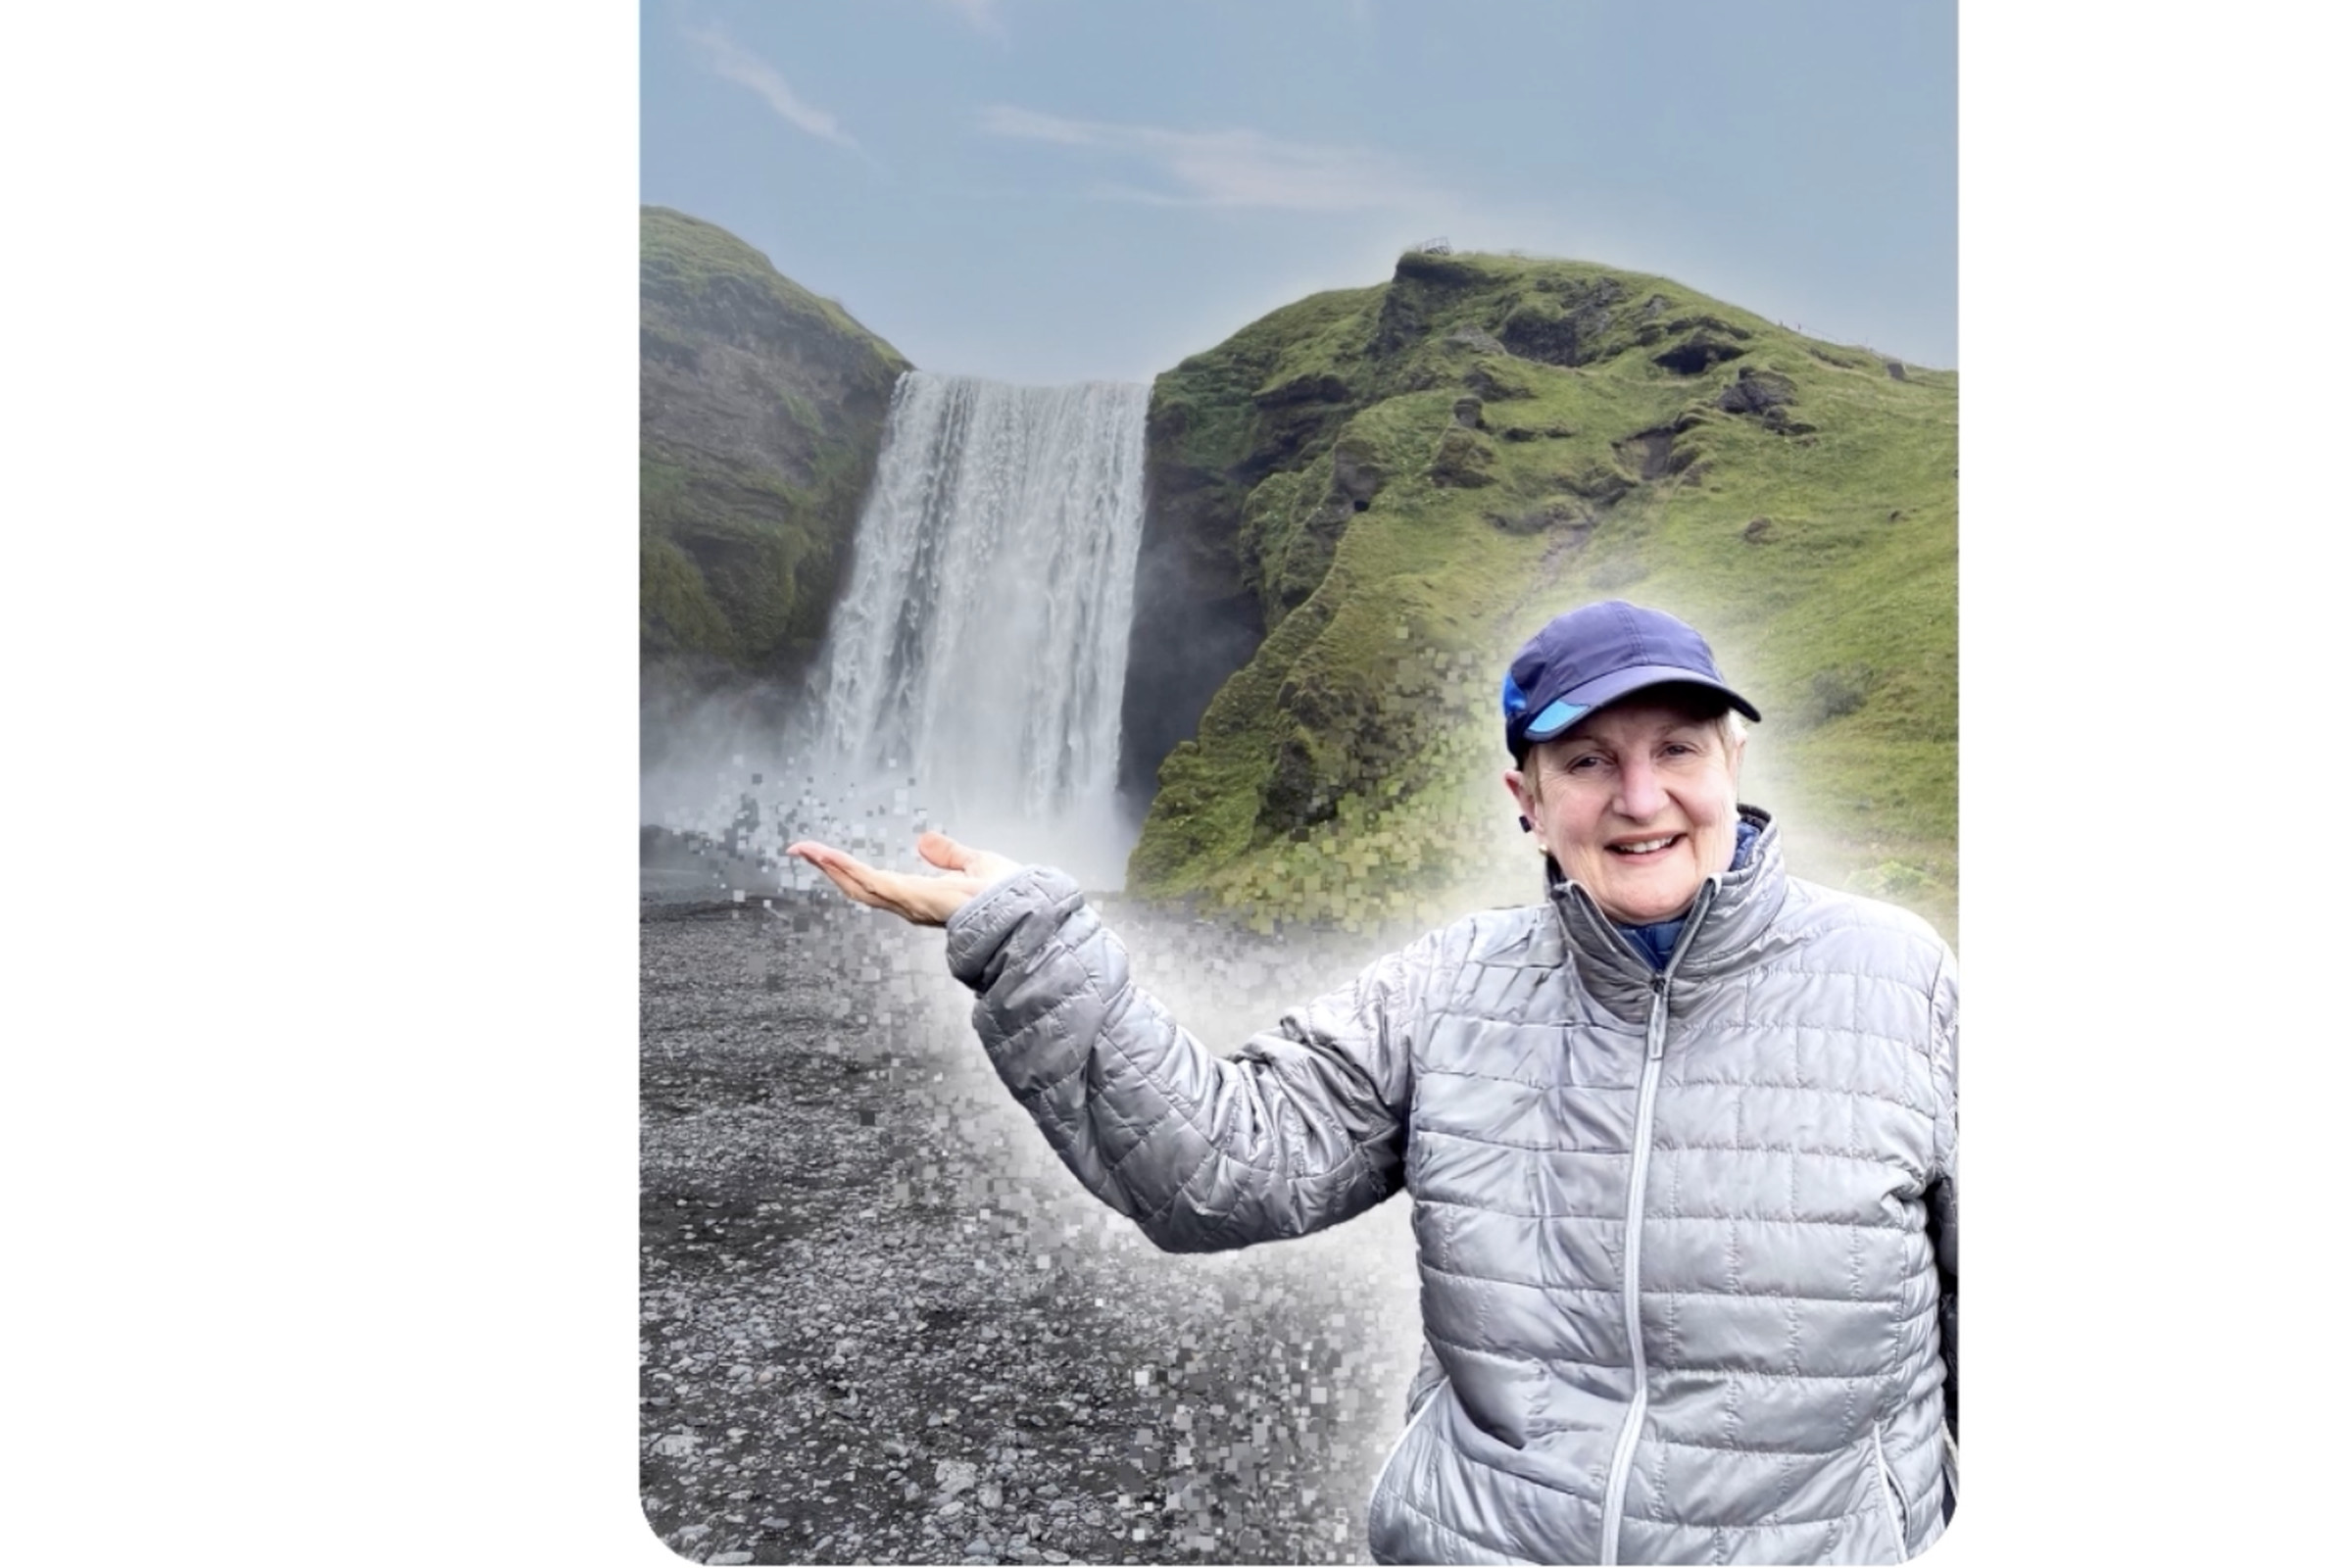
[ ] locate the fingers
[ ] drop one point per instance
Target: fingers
(919, 900)
(922, 899)
(941, 850)
(824, 856)
(846, 872)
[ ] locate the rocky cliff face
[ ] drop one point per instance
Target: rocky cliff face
(1360, 503)
(1209, 587)
(761, 409)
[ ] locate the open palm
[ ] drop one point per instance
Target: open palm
(919, 900)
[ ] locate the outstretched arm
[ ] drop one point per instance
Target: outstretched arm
(1303, 1128)
(1300, 1129)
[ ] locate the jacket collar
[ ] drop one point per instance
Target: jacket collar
(1732, 911)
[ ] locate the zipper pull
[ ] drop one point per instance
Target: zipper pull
(1658, 1017)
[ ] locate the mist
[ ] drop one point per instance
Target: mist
(972, 671)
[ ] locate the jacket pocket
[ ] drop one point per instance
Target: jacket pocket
(1889, 1493)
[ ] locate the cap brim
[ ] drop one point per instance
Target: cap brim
(1571, 705)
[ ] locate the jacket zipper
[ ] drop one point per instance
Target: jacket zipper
(1621, 1463)
(1888, 1494)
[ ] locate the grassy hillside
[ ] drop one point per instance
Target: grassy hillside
(1417, 474)
(762, 411)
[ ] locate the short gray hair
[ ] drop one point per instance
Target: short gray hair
(1731, 731)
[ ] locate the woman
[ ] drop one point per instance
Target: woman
(1681, 1141)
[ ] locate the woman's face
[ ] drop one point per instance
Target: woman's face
(1638, 802)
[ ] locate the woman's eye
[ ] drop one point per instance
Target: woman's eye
(1582, 765)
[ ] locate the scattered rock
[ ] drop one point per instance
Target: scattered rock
(1653, 452)
(1601, 483)
(1763, 396)
(1894, 368)
(1464, 459)
(1476, 340)
(1757, 531)
(730, 1559)
(1755, 391)
(1495, 385)
(1467, 412)
(818, 1484)
(1711, 342)
(1557, 514)
(1543, 331)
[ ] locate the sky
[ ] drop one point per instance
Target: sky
(1046, 191)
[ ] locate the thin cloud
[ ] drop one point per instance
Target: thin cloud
(1222, 168)
(736, 64)
(981, 14)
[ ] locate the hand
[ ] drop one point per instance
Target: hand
(918, 900)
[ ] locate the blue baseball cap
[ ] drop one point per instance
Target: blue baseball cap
(1594, 654)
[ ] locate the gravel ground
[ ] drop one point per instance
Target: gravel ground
(882, 1324)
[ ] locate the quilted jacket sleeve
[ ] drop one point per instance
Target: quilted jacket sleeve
(1303, 1128)
(1943, 1193)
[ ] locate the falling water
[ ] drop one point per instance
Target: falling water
(976, 659)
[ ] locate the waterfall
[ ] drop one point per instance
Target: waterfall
(975, 663)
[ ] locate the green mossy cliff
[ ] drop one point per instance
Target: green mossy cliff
(760, 412)
(1398, 484)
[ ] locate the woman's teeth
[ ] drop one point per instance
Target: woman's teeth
(1645, 846)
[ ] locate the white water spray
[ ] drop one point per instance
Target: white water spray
(973, 670)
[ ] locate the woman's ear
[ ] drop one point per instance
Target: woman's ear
(1522, 797)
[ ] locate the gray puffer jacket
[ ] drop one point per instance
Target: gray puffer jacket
(1759, 1370)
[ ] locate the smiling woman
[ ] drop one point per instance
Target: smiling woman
(1638, 805)
(1638, 802)
(1682, 1141)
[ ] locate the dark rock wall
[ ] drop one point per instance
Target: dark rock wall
(761, 410)
(1207, 587)
(1195, 618)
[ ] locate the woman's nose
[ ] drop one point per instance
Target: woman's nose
(1639, 793)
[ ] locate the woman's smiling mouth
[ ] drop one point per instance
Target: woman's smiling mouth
(1638, 847)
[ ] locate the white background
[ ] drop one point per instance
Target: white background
(320, 1136)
